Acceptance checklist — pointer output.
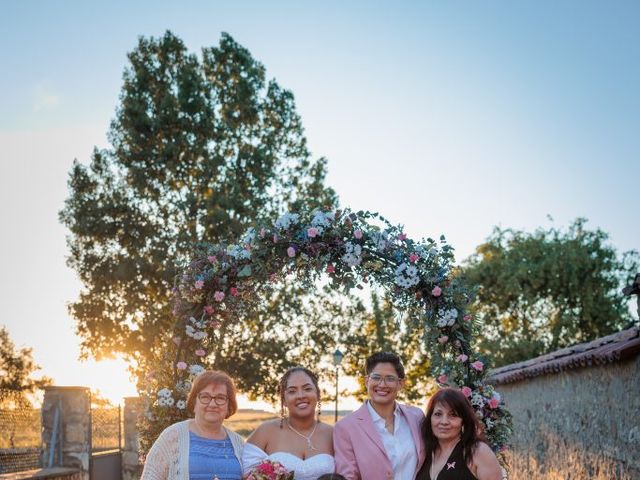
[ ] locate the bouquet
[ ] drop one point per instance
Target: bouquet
(270, 470)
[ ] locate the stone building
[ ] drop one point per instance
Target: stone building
(586, 397)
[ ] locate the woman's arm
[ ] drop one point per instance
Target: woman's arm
(486, 463)
(156, 465)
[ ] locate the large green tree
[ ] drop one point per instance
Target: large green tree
(17, 367)
(540, 291)
(201, 148)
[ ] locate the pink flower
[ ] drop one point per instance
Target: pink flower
(181, 366)
(212, 258)
(208, 309)
(219, 296)
(291, 252)
(233, 291)
(177, 340)
(331, 269)
(200, 352)
(437, 291)
(466, 391)
(477, 365)
(414, 257)
(214, 324)
(467, 318)
(443, 339)
(442, 379)
(199, 284)
(312, 232)
(358, 234)
(402, 237)
(493, 403)
(462, 358)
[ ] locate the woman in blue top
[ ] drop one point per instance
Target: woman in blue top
(201, 448)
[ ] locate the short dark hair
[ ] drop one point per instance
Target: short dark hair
(213, 377)
(384, 357)
(331, 476)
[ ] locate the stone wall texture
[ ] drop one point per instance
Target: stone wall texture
(595, 408)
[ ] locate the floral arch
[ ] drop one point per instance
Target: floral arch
(350, 247)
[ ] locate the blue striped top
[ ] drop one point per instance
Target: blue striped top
(209, 459)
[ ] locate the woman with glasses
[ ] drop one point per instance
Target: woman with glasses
(201, 448)
(381, 440)
(298, 440)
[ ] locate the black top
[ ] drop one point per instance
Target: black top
(454, 468)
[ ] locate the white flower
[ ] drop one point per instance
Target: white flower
(353, 254)
(183, 385)
(169, 401)
(238, 252)
(447, 318)
(286, 220)
(380, 240)
(165, 392)
(249, 236)
(195, 369)
(181, 404)
(489, 423)
(477, 400)
(321, 220)
(199, 335)
(406, 276)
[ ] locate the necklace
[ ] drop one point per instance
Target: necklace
(307, 438)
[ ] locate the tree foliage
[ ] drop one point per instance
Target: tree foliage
(537, 292)
(17, 367)
(201, 147)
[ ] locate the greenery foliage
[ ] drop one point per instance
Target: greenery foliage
(17, 367)
(540, 291)
(201, 148)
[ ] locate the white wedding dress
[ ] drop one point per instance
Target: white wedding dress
(308, 469)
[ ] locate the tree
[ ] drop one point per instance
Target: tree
(385, 329)
(201, 148)
(17, 367)
(537, 292)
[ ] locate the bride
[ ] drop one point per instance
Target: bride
(298, 441)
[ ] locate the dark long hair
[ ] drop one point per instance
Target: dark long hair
(471, 431)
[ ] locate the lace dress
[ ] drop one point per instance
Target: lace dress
(309, 469)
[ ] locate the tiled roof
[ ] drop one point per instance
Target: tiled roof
(612, 348)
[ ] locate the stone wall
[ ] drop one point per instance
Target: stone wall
(73, 443)
(595, 408)
(131, 466)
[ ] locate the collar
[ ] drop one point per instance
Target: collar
(377, 418)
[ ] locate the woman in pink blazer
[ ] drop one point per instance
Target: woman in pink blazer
(381, 440)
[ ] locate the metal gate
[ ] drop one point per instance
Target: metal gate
(106, 443)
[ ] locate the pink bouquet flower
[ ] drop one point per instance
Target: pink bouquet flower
(270, 470)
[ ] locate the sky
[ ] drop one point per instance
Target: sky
(446, 117)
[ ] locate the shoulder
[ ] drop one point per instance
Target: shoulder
(174, 430)
(325, 427)
(264, 432)
(483, 455)
(235, 437)
(412, 411)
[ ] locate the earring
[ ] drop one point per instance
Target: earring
(282, 414)
(319, 409)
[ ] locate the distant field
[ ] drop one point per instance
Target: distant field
(246, 421)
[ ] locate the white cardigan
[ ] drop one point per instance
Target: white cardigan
(168, 458)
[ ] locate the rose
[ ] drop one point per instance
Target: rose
(331, 269)
(212, 258)
(291, 252)
(462, 358)
(218, 296)
(466, 391)
(467, 318)
(413, 258)
(437, 291)
(208, 309)
(358, 234)
(494, 402)
(199, 284)
(200, 352)
(233, 291)
(181, 366)
(442, 378)
(443, 339)
(312, 232)
(477, 365)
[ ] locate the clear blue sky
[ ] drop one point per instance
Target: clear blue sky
(447, 117)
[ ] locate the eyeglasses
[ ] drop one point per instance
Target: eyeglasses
(390, 380)
(219, 400)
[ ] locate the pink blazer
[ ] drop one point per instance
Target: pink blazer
(359, 450)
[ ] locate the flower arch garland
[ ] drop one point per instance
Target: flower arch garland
(351, 248)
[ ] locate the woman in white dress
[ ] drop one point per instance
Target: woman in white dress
(298, 440)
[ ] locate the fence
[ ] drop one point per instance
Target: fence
(20, 427)
(106, 428)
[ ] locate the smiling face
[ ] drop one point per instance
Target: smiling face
(300, 395)
(383, 384)
(445, 423)
(211, 413)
